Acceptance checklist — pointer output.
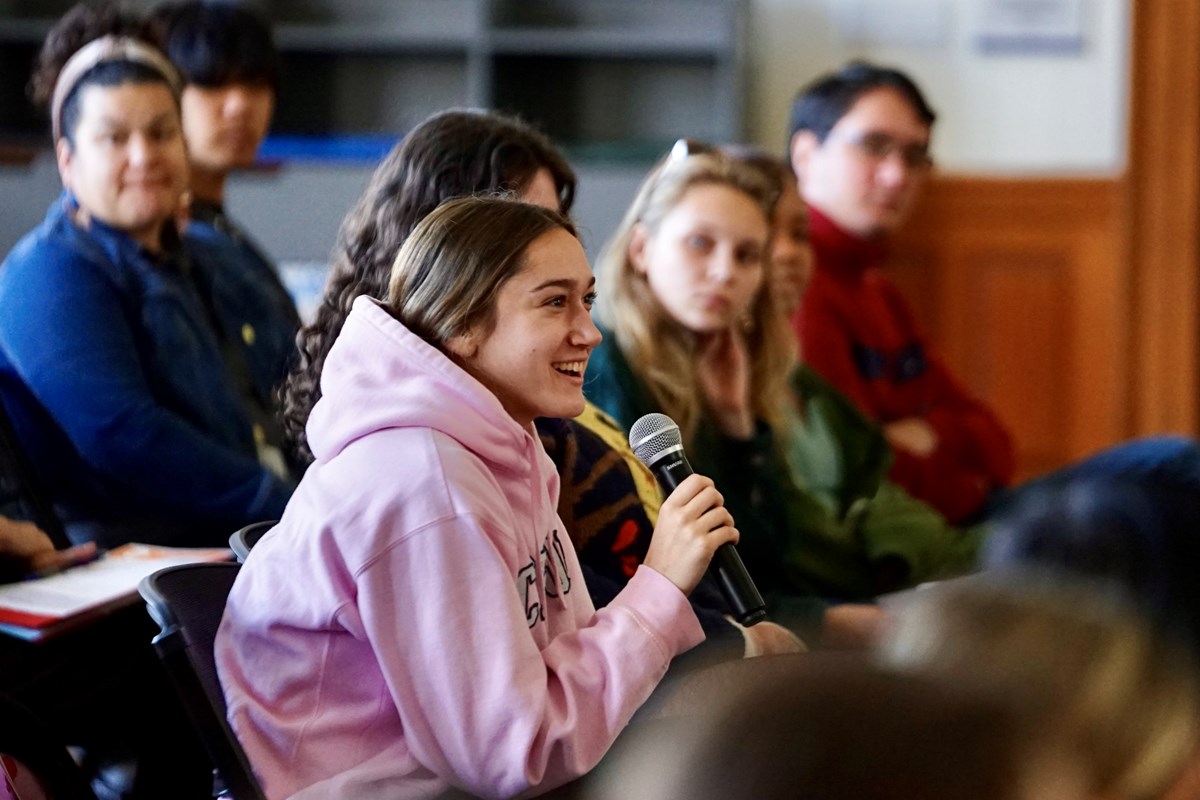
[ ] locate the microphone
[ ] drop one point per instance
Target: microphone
(657, 443)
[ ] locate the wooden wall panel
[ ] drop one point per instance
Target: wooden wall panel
(1073, 305)
(1019, 345)
(1162, 215)
(1021, 285)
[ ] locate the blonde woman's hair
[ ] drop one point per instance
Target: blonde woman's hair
(661, 351)
(448, 272)
(1082, 662)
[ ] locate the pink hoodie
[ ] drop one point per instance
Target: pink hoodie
(418, 619)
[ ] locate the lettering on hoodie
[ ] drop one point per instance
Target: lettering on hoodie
(552, 565)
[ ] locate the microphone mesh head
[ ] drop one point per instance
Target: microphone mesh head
(653, 434)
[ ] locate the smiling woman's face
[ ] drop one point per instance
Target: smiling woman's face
(128, 164)
(535, 354)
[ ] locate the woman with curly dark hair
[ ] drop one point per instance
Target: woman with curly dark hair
(453, 153)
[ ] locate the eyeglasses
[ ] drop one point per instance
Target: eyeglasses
(878, 146)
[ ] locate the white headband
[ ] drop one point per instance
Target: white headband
(97, 51)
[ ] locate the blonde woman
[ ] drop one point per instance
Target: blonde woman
(695, 336)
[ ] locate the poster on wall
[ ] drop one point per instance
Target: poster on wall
(907, 23)
(1045, 27)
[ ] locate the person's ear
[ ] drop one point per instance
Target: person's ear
(62, 155)
(804, 145)
(463, 346)
(639, 243)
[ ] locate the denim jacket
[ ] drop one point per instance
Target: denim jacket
(112, 370)
(250, 289)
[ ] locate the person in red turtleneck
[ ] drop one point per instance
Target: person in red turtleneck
(860, 150)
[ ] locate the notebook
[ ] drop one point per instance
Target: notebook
(43, 607)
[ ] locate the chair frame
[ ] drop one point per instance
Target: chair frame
(179, 646)
(242, 541)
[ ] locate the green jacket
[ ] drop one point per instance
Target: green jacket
(815, 516)
(840, 456)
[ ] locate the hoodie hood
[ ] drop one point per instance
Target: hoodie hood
(379, 375)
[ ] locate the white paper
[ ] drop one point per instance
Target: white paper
(113, 576)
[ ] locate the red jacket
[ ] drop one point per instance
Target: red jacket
(857, 331)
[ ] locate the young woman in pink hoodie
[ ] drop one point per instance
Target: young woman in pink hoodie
(417, 622)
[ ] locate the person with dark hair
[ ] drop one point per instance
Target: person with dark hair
(859, 146)
(822, 104)
(608, 499)
(230, 67)
(125, 364)
(453, 153)
(112, 377)
(418, 622)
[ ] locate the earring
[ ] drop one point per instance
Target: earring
(747, 321)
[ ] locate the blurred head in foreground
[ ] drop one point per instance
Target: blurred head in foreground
(1114, 530)
(1081, 664)
(832, 726)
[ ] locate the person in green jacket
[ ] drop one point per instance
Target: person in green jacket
(696, 333)
(837, 452)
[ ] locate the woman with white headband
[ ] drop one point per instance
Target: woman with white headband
(136, 370)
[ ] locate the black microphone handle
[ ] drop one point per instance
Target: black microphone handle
(726, 566)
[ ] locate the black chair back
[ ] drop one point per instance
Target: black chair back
(243, 541)
(187, 603)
